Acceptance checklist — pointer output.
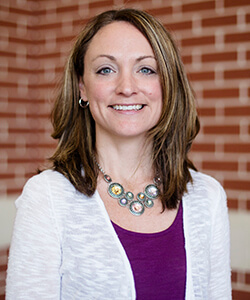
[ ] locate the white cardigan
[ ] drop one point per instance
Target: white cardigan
(65, 247)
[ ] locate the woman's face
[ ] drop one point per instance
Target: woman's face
(121, 82)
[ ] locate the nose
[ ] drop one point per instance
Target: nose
(126, 84)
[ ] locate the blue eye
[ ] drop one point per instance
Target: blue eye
(104, 71)
(147, 71)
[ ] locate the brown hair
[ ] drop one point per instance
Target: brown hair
(172, 136)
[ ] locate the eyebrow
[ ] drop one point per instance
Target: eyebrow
(111, 57)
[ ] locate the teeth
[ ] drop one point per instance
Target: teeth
(127, 107)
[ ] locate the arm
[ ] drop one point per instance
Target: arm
(220, 276)
(35, 254)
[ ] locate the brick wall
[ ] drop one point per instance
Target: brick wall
(214, 39)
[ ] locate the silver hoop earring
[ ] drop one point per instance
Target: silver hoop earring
(83, 103)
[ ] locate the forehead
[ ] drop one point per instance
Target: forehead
(119, 35)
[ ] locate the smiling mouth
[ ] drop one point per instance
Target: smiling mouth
(127, 107)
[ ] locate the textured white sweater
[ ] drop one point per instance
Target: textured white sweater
(65, 247)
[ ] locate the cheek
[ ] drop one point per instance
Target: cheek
(155, 92)
(97, 92)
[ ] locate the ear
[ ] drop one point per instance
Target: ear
(82, 90)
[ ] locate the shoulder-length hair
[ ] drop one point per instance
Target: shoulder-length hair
(173, 135)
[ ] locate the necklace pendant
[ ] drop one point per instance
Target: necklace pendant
(152, 191)
(129, 196)
(149, 203)
(136, 208)
(157, 180)
(141, 197)
(107, 178)
(115, 190)
(123, 201)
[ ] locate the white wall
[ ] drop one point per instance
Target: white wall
(240, 240)
(7, 216)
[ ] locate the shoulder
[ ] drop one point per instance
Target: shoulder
(204, 193)
(48, 178)
(46, 185)
(205, 185)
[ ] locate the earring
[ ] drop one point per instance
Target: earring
(83, 103)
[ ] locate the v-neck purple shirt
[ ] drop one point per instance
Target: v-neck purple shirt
(158, 260)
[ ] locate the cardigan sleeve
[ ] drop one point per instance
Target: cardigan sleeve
(35, 252)
(220, 272)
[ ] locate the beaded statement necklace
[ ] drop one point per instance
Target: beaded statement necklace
(126, 199)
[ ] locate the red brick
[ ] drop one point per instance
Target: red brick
(187, 59)
(14, 10)
(7, 115)
(206, 112)
(20, 41)
(242, 185)
(237, 147)
(48, 55)
(7, 54)
(237, 37)
(200, 76)
(3, 268)
(50, 26)
(221, 93)
(72, 8)
(234, 276)
(240, 295)
(26, 130)
(8, 84)
(198, 6)
(231, 3)
(203, 147)
(219, 57)
(198, 41)
(237, 111)
(20, 70)
(98, 4)
(233, 204)
(179, 25)
(15, 100)
(219, 21)
(64, 39)
(2, 282)
(8, 24)
(7, 176)
(247, 278)
(24, 160)
(160, 11)
(248, 204)
(14, 191)
(247, 18)
(223, 129)
(220, 165)
(235, 74)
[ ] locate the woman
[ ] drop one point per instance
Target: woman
(123, 213)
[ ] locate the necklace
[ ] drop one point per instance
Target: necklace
(126, 199)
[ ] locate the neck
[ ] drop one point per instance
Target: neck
(126, 159)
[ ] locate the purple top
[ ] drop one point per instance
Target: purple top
(158, 260)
